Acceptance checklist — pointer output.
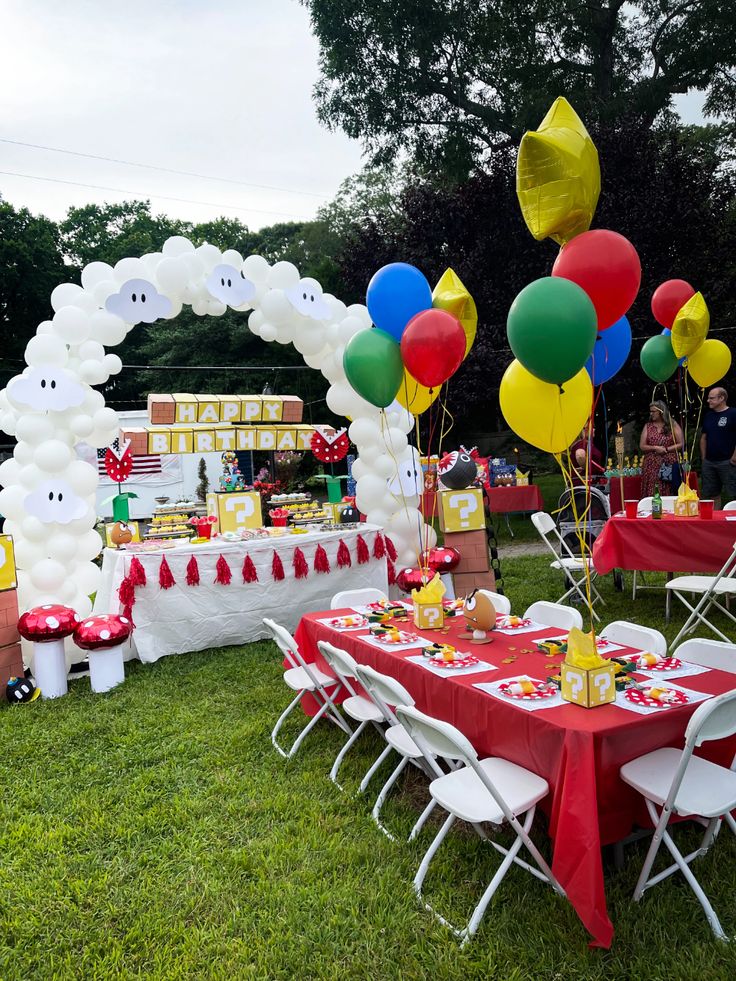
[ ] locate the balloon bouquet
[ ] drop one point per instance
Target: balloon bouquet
(420, 338)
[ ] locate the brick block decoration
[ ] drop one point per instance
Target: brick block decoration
(8, 608)
(293, 408)
(161, 410)
(466, 582)
(138, 440)
(11, 665)
(9, 635)
(473, 549)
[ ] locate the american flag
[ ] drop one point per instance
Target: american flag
(141, 464)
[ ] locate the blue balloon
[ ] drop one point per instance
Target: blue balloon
(610, 352)
(395, 294)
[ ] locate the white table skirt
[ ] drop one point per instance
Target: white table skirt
(192, 618)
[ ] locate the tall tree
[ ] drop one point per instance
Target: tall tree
(447, 79)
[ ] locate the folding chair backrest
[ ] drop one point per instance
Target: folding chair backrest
(633, 635)
(386, 691)
(342, 663)
(731, 506)
(288, 647)
(668, 504)
(356, 597)
(714, 719)
(554, 615)
(709, 653)
(502, 604)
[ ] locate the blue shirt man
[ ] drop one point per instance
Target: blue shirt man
(718, 447)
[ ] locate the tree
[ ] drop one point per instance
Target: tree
(204, 484)
(445, 80)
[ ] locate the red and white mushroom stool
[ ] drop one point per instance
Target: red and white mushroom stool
(103, 637)
(46, 627)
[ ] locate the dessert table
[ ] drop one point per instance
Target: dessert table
(578, 751)
(212, 614)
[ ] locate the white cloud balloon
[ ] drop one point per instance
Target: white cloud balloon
(138, 302)
(46, 389)
(55, 501)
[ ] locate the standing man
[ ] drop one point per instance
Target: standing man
(718, 447)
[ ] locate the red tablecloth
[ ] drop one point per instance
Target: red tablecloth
(670, 545)
(632, 490)
(577, 751)
(503, 500)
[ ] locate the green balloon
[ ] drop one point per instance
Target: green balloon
(373, 365)
(552, 328)
(657, 359)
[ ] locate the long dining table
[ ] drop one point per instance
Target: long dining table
(578, 751)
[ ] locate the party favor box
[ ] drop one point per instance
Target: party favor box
(429, 616)
(687, 504)
(588, 687)
(235, 510)
(462, 510)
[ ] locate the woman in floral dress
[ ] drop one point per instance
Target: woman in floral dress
(661, 440)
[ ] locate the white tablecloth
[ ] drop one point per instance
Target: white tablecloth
(193, 618)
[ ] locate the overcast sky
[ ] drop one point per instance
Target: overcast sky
(221, 90)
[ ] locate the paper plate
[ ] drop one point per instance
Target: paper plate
(403, 638)
(533, 695)
(459, 662)
(349, 622)
(641, 698)
(668, 664)
(503, 623)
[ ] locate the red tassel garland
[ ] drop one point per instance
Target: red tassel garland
(391, 573)
(249, 570)
(301, 569)
(277, 567)
(192, 572)
(363, 553)
(390, 548)
(137, 574)
(224, 575)
(128, 612)
(165, 577)
(379, 548)
(321, 562)
(343, 555)
(126, 592)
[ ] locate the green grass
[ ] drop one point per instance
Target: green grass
(154, 832)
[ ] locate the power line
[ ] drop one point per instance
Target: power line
(216, 367)
(160, 197)
(163, 170)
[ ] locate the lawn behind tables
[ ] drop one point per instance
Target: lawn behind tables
(155, 832)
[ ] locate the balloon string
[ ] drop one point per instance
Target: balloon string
(400, 497)
(580, 521)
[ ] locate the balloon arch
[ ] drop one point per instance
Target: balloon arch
(48, 495)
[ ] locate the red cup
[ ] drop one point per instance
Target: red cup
(706, 509)
(631, 508)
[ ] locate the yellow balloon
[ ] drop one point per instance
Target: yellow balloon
(415, 397)
(450, 294)
(558, 177)
(690, 327)
(542, 415)
(709, 363)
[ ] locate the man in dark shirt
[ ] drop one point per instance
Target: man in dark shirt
(718, 447)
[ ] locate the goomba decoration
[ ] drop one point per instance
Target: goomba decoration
(329, 447)
(121, 533)
(457, 470)
(480, 616)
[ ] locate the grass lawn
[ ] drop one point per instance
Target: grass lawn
(154, 832)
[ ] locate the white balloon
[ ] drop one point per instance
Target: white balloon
(33, 529)
(81, 525)
(7, 422)
(66, 592)
(209, 255)
(31, 476)
(45, 327)
(172, 275)
(176, 308)
(129, 268)
(52, 456)
(46, 349)
(48, 574)
(9, 472)
(348, 328)
(112, 364)
(360, 469)
(199, 307)
(216, 308)
(177, 245)
(72, 325)
(23, 453)
(62, 547)
(64, 294)
(364, 432)
(91, 351)
(28, 555)
(231, 257)
(370, 492)
(82, 478)
(282, 275)
(87, 577)
(268, 332)
(106, 328)
(396, 441)
(104, 290)
(315, 360)
(94, 273)
(93, 372)
(384, 465)
(309, 341)
(89, 546)
(360, 311)
(276, 307)
(377, 517)
(256, 268)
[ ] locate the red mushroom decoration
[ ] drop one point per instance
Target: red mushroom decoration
(46, 627)
(103, 636)
(443, 558)
(408, 579)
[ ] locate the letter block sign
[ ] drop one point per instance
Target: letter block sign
(596, 686)
(462, 510)
(236, 510)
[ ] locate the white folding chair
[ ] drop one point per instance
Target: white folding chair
(491, 790)
(304, 678)
(566, 562)
(554, 615)
(388, 693)
(356, 597)
(679, 783)
(362, 710)
(645, 507)
(711, 589)
(709, 653)
(501, 603)
(633, 635)
(731, 506)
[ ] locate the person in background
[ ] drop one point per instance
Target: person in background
(661, 440)
(586, 458)
(718, 448)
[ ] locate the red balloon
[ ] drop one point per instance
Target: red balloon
(433, 346)
(442, 558)
(408, 579)
(668, 299)
(607, 267)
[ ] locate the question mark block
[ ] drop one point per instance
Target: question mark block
(235, 510)
(589, 688)
(429, 616)
(462, 510)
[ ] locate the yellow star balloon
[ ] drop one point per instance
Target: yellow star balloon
(558, 177)
(690, 326)
(451, 295)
